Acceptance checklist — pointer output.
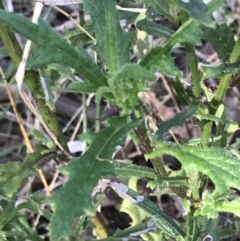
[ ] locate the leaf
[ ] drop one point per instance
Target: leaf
(178, 120)
(127, 170)
(220, 168)
(229, 206)
(159, 58)
(214, 71)
(13, 173)
(214, 5)
(74, 198)
(155, 29)
(222, 40)
(52, 48)
(163, 221)
(161, 6)
(197, 9)
(127, 83)
(113, 44)
(85, 87)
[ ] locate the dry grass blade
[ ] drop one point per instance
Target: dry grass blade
(23, 130)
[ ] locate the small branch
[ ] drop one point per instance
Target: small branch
(156, 162)
(193, 63)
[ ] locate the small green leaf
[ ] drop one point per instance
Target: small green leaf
(222, 40)
(127, 170)
(113, 44)
(229, 206)
(155, 29)
(8, 213)
(161, 6)
(127, 83)
(74, 198)
(215, 71)
(159, 58)
(220, 168)
(197, 9)
(52, 48)
(13, 173)
(178, 120)
(163, 221)
(214, 5)
(85, 87)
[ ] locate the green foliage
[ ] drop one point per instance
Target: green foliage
(154, 28)
(159, 58)
(222, 39)
(52, 48)
(126, 62)
(113, 43)
(197, 9)
(76, 187)
(210, 161)
(13, 173)
(178, 120)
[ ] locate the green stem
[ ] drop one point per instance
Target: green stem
(236, 52)
(193, 63)
(98, 116)
(156, 162)
(221, 92)
(81, 14)
(32, 80)
(84, 119)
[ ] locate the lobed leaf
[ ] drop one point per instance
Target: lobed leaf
(222, 40)
(113, 44)
(178, 120)
(51, 48)
(159, 58)
(13, 173)
(198, 10)
(220, 168)
(74, 198)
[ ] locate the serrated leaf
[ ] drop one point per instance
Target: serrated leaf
(113, 44)
(13, 173)
(52, 48)
(222, 40)
(127, 83)
(229, 206)
(127, 170)
(178, 120)
(8, 213)
(155, 29)
(220, 168)
(214, 71)
(159, 58)
(74, 198)
(63, 71)
(198, 10)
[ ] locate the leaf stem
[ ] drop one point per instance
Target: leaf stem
(193, 63)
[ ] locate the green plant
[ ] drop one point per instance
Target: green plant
(120, 82)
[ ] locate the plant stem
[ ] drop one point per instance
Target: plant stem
(156, 162)
(193, 63)
(221, 92)
(236, 52)
(32, 80)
